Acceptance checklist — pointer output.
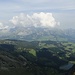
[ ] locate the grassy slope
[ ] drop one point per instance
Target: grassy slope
(37, 56)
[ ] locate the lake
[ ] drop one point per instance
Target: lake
(67, 66)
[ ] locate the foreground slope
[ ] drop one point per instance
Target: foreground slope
(36, 57)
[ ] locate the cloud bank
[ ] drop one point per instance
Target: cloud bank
(2, 27)
(36, 19)
(23, 24)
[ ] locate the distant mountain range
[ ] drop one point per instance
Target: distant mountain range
(41, 34)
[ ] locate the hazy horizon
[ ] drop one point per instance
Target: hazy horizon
(41, 13)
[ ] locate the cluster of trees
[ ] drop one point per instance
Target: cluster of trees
(36, 57)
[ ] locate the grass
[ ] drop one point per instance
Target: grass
(33, 52)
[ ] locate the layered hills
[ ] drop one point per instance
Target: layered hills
(36, 57)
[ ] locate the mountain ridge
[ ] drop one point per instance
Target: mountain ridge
(40, 34)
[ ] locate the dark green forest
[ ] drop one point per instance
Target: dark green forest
(37, 57)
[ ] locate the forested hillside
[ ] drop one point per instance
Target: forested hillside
(36, 57)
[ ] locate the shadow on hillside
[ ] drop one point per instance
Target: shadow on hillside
(7, 47)
(45, 57)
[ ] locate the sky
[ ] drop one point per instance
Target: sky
(37, 13)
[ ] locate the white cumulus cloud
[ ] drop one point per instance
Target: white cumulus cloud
(36, 19)
(2, 27)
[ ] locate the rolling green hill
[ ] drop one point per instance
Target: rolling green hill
(35, 57)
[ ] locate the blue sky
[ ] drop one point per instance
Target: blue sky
(62, 10)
